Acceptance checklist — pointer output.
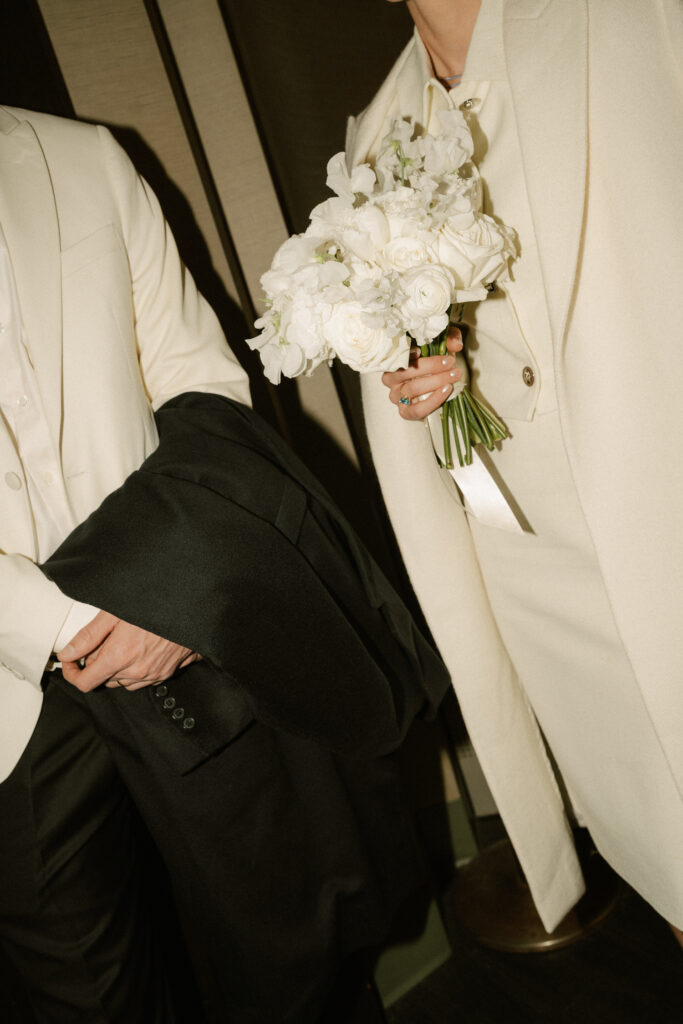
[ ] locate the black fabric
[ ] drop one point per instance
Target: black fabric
(77, 892)
(262, 770)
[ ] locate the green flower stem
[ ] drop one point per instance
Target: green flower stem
(469, 421)
(448, 454)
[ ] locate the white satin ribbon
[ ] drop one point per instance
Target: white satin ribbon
(482, 497)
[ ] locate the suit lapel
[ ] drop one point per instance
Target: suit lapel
(546, 52)
(29, 220)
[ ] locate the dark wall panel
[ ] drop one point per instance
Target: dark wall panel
(29, 72)
(308, 64)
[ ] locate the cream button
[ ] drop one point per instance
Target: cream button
(528, 376)
(22, 401)
(13, 481)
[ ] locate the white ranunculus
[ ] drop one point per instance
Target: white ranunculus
(426, 301)
(476, 250)
(365, 342)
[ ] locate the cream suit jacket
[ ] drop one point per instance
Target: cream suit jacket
(619, 388)
(114, 327)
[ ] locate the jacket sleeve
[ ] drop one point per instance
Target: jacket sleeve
(181, 346)
(260, 574)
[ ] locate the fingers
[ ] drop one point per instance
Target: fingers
(89, 638)
(130, 657)
(454, 341)
(425, 404)
(427, 381)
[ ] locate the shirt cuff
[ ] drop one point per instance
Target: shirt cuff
(79, 615)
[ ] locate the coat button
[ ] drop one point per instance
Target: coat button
(13, 481)
(528, 376)
(160, 690)
(169, 702)
(178, 713)
(188, 723)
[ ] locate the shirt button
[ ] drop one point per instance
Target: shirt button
(13, 481)
(160, 690)
(178, 713)
(22, 401)
(169, 702)
(528, 376)
(3, 328)
(188, 723)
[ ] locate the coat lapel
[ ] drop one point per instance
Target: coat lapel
(546, 52)
(29, 220)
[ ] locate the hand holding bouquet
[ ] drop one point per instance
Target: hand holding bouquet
(384, 263)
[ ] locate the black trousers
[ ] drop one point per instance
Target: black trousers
(77, 916)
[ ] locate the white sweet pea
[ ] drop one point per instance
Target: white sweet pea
(446, 153)
(360, 181)
(360, 231)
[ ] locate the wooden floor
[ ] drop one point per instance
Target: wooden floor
(628, 970)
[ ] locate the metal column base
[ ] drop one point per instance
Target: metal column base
(492, 901)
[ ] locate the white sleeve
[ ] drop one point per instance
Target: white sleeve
(79, 616)
(180, 341)
(34, 610)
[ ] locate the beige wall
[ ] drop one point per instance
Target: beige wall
(119, 60)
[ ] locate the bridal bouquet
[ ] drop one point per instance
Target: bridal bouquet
(386, 264)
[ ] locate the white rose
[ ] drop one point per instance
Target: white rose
(408, 251)
(365, 342)
(476, 251)
(426, 301)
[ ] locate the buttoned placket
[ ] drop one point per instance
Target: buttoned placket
(22, 409)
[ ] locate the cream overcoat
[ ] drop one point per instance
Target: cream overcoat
(619, 387)
(114, 327)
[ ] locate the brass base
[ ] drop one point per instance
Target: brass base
(492, 901)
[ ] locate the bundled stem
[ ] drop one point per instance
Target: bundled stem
(464, 418)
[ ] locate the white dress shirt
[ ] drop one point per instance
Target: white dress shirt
(21, 407)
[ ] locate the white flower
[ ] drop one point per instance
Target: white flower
(476, 250)
(358, 230)
(446, 153)
(277, 354)
(426, 301)
(408, 251)
(363, 341)
(360, 181)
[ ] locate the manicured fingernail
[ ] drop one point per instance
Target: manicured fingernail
(67, 653)
(455, 373)
(448, 361)
(447, 388)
